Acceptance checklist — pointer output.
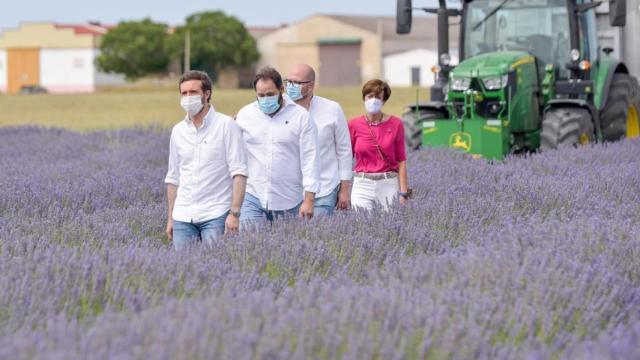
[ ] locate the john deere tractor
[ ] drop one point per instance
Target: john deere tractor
(531, 75)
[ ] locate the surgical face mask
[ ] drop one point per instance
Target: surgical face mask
(294, 91)
(192, 104)
(269, 104)
(373, 105)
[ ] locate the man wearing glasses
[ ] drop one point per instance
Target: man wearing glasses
(280, 141)
(334, 142)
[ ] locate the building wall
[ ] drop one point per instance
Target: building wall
(298, 43)
(67, 70)
(3, 71)
(631, 31)
(290, 54)
(397, 67)
(44, 35)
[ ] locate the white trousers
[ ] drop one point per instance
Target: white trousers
(365, 193)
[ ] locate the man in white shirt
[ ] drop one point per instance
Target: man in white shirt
(334, 142)
(207, 173)
(280, 141)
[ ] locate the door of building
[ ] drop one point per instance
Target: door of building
(23, 68)
(339, 63)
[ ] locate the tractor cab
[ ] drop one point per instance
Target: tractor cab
(538, 27)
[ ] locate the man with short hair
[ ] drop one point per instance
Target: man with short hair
(280, 141)
(207, 173)
(334, 142)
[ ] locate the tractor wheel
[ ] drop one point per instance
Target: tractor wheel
(620, 117)
(566, 126)
(412, 122)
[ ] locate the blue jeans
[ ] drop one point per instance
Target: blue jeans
(325, 205)
(253, 212)
(185, 234)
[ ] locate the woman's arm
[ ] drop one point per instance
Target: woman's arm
(402, 174)
(401, 156)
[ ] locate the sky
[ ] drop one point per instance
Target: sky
(173, 12)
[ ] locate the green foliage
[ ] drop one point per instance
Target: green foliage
(134, 49)
(217, 41)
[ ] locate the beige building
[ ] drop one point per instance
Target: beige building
(57, 57)
(345, 50)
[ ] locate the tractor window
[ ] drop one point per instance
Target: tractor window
(588, 43)
(540, 27)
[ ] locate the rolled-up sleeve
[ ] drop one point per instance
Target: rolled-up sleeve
(236, 155)
(173, 171)
(343, 146)
(309, 157)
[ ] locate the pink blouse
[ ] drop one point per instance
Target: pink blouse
(389, 135)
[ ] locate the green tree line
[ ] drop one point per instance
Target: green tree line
(139, 48)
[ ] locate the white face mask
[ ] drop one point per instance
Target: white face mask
(192, 104)
(373, 105)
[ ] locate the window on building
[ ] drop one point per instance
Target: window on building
(78, 63)
(415, 76)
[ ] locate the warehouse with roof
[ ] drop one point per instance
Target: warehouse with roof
(348, 50)
(56, 57)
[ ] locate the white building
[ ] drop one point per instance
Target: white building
(59, 58)
(412, 67)
(623, 41)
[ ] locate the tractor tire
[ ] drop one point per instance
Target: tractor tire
(566, 126)
(413, 125)
(622, 101)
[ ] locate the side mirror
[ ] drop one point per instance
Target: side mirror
(403, 17)
(618, 12)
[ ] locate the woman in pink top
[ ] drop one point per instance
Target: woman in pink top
(380, 172)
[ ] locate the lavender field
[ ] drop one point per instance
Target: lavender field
(534, 258)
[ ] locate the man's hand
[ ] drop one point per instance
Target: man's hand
(170, 229)
(306, 209)
(403, 200)
(231, 224)
(344, 198)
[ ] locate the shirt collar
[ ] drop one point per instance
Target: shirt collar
(207, 118)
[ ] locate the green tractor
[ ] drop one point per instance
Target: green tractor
(531, 76)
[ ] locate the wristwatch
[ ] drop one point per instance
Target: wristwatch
(234, 213)
(403, 194)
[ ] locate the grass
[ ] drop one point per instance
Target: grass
(121, 109)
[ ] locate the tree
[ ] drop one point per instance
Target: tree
(135, 49)
(217, 41)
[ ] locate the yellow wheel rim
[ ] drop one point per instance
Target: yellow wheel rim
(633, 123)
(584, 139)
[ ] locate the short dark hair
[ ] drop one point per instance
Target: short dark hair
(377, 86)
(197, 75)
(268, 73)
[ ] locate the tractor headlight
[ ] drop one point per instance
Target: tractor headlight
(445, 59)
(496, 82)
(460, 83)
(574, 55)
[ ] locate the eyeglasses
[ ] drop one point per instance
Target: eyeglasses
(292, 82)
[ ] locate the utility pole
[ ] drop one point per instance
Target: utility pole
(187, 50)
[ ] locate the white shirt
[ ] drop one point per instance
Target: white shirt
(334, 143)
(202, 163)
(281, 153)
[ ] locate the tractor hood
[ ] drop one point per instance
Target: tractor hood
(491, 64)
